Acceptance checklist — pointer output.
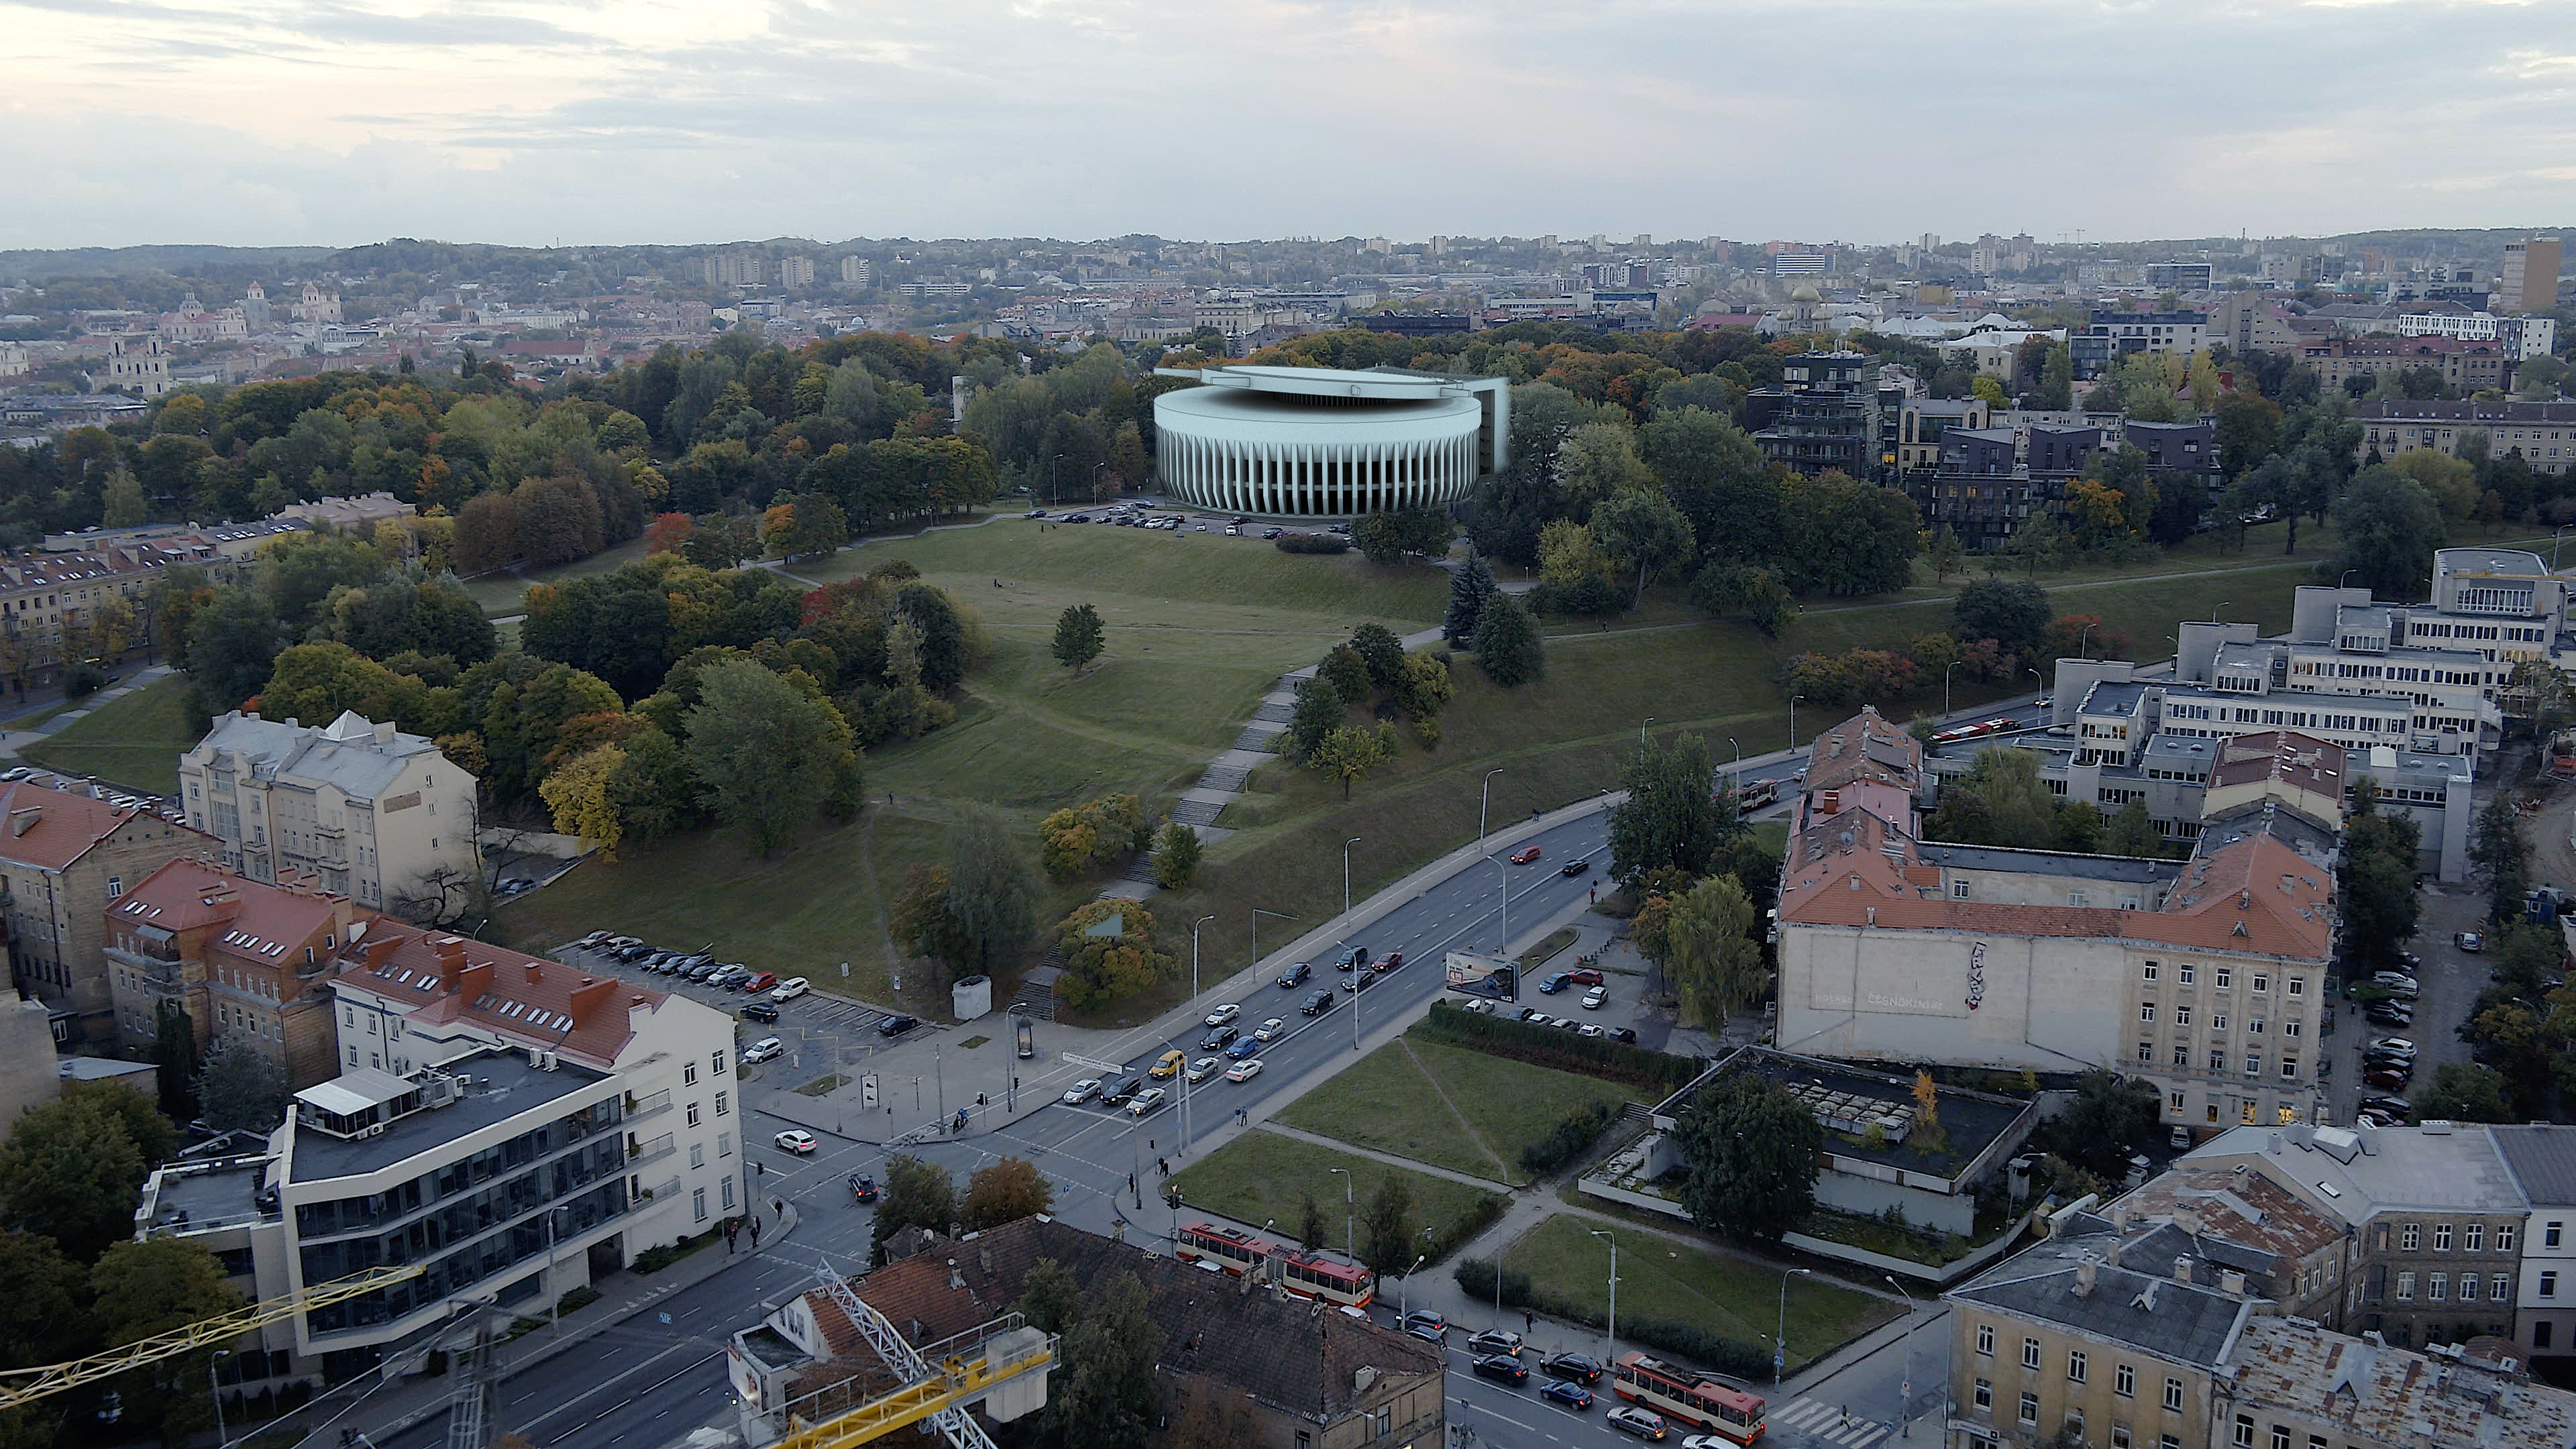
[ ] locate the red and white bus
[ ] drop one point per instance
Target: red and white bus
(1754, 794)
(1232, 1249)
(1679, 1393)
(1981, 728)
(1312, 1275)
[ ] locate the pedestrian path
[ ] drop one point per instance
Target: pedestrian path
(1483, 1184)
(1826, 1423)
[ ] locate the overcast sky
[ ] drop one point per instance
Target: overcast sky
(336, 122)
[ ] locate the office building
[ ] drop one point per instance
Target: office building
(2176, 276)
(2529, 279)
(380, 816)
(854, 271)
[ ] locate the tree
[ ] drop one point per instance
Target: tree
(150, 1287)
(174, 1056)
(1711, 953)
(122, 504)
(2465, 1092)
(1382, 654)
(1755, 595)
(1078, 636)
(1310, 1223)
(2056, 390)
(2110, 1118)
(668, 533)
(1751, 1151)
(1717, 476)
(765, 753)
(2001, 800)
(1507, 643)
(1105, 967)
(915, 1194)
(1349, 753)
(1105, 1392)
(240, 1087)
(2133, 832)
(921, 922)
(1050, 1297)
(1318, 712)
(1424, 688)
(43, 1320)
(2386, 530)
(992, 897)
(2501, 857)
(582, 793)
(1646, 534)
(1672, 818)
(2378, 879)
(1470, 585)
(1387, 1227)
(1348, 674)
(1176, 855)
(233, 642)
(1004, 1192)
(2012, 612)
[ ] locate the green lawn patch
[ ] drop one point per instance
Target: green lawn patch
(134, 741)
(1659, 1278)
(1540, 954)
(1262, 1177)
(1447, 1106)
(823, 1085)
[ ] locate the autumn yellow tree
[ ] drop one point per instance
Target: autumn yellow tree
(581, 795)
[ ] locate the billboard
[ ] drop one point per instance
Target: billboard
(1495, 977)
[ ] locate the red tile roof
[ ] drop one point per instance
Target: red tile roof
(1865, 747)
(53, 828)
(526, 1000)
(263, 922)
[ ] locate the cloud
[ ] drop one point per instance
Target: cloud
(677, 120)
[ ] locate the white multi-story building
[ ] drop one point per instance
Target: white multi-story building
(517, 1126)
(137, 364)
(380, 816)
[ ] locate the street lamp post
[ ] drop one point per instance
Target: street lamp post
(1484, 797)
(1257, 914)
(1194, 951)
(1357, 981)
(1350, 1228)
(1793, 719)
(1945, 686)
(2222, 605)
(1404, 1293)
(1780, 1331)
(1504, 943)
(1641, 731)
(1905, 1392)
(216, 1391)
(2084, 641)
(1739, 750)
(1613, 1353)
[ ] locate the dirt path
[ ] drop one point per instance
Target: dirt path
(1502, 1169)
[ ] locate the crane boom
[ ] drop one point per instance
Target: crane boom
(19, 1386)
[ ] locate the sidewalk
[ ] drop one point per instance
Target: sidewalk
(404, 1403)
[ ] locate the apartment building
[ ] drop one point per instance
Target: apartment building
(63, 857)
(517, 1126)
(1985, 482)
(2206, 977)
(380, 816)
(1823, 416)
(2544, 433)
(244, 960)
(2462, 364)
(2112, 338)
(2542, 1161)
(2528, 281)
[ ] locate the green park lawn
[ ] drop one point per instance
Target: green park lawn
(1448, 1106)
(134, 741)
(1661, 1278)
(1262, 1177)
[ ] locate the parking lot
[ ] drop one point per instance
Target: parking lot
(1137, 513)
(2449, 980)
(835, 1027)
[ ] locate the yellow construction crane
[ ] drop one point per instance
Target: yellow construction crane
(19, 1386)
(953, 1382)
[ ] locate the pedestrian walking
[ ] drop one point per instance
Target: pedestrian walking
(755, 1231)
(733, 1231)
(1131, 1182)
(762, 1166)
(778, 1206)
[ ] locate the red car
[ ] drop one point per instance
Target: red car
(761, 982)
(1584, 975)
(1526, 856)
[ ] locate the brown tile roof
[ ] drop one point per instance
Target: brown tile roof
(2237, 1206)
(2391, 1396)
(526, 1000)
(52, 828)
(2257, 896)
(264, 923)
(1297, 1357)
(2286, 755)
(1865, 747)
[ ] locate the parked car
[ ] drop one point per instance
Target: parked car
(2397, 1107)
(1495, 1340)
(1643, 1423)
(1533, 1016)
(1555, 983)
(1145, 1102)
(1295, 976)
(1524, 857)
(1218, 1039)
(1503, 1367)
(1573, 1366)
(1244, 1071)
(1203, 1068)
(762, 1050)
(1593, 998)
(1585, 976)
(1564, 1391)
(795, 1140)
(2373, 1117)
(1224, 1014)
(2386, 1079)
(1081, 1092)
(593, 939)
(1627, 1034)
(2470, 941)
(2389, 1044)
(897, 1025)
(1121, 1093)
(1243, 1046)
(1166, 1065)
(790, 989)
(760, 1011)
(1576, 867)
(1588, 1028)
(760, 981)
(1479, 1007)
(1270, 1030)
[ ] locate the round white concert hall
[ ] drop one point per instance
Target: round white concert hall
(1309, 442)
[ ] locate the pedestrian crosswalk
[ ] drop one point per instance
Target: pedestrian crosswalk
(1827, 1423)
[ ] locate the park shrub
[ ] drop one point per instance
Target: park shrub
(1569, 1139)
(1688, 1341)
(1311, 543)
(1658, 1072)
(1463, 1229)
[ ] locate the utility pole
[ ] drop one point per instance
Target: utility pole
(1487, 794)
(1350, 1219)
(1613, 1354)
(1358, 978)
(1194, 953)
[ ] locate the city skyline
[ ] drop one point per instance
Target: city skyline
(525, 124)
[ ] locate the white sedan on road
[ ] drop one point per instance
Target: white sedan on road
(1224, 1014)
(1244, 1071)
(800, 1143)
(1082, 1091)
(1270, 1030)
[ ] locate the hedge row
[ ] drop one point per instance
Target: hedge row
(1545, 1046)
(1569, 1139)
(1311, 543)
(1487, 1211)
(1689, 1341)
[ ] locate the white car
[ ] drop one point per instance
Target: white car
(1269, 1030)
(1146, 1101)
(794, 1141)
(1244, 1071)
(790, 989)
(1224, 1014)
(1081, 1092)
(1203, 1068)
(762, 1050)
(1593, 998)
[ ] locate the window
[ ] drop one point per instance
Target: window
(1985, 1394)
(2280, 1437)
(2405, 1287)
(2218, 1021)
(693, 1114)
(2243, 1433)
(2254, 1026)
(2220, 976)
(698, 1202)
(2217, 1063)
(2174, 1102)
(727, 1181)
(2030, 1353)
(2124, 1381)
(2289, 1068)
(2146, 1053)
(2548, 1236)
(2184, 971)
(2146, 1011)
(2173, 1395)
(718, 1060)
(2298, 985)
(2473, 1238)
(1986, 1339)
(688, 1074)
(2410, 1238)
(2168, 1441)
(2075, 1366)
(2182, 1016)
(721, 1108)
(2504, 1238)
(697, 1154)
(2468, 1287)
(2540, 1334)
(2262, 981)
(2120, 1436)
(115, 886)
(2441, 1237)
(2149, 974)
(2253, 1065)
(2437, 1287)
(2499, 1286)
(724, 1144)
(2181, 1058)
(2549, 1283)
(2290, 1028)
(1958, 890)
(2030, 1408)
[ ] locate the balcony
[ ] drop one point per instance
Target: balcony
(651, 1104)
(639, 1153)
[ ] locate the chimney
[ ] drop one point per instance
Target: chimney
(2120, 1216)
(2188, 1219)
(2085, 1272)
(2182, 1267)
(385, 732)
(450, 951)
(22, 821)
(535, 972)
(2111, 1254)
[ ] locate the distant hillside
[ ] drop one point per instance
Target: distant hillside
(146, 261)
